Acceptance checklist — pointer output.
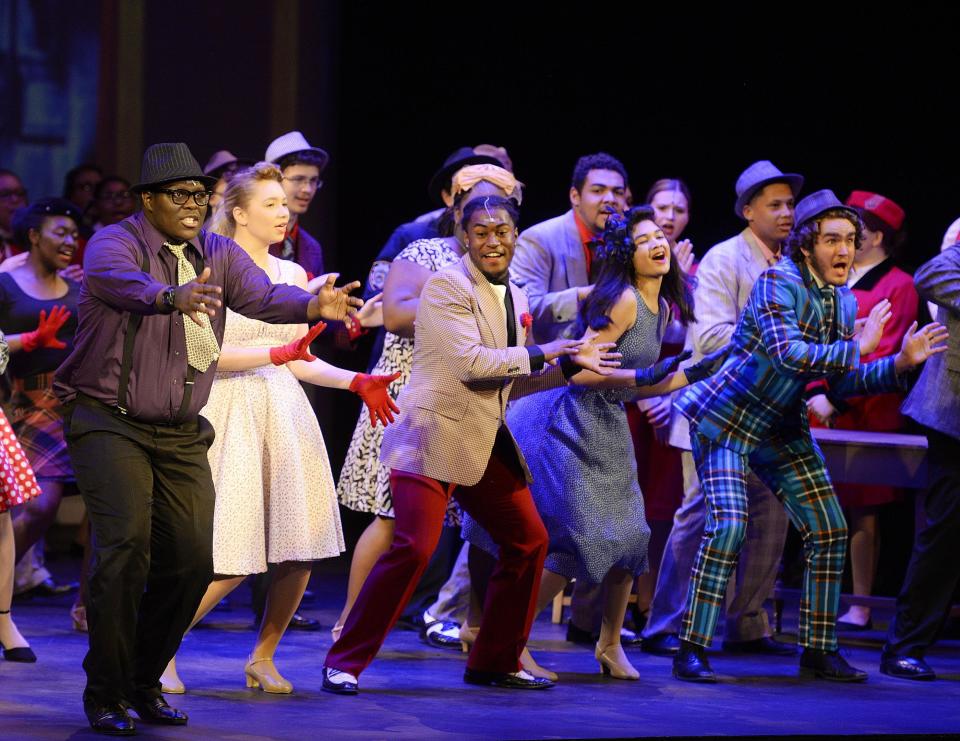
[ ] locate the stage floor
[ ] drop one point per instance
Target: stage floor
(413, 691)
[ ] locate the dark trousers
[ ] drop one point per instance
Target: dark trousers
(501, 503)
(149, 495)
(924, 601)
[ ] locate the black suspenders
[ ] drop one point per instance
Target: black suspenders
(133, 325)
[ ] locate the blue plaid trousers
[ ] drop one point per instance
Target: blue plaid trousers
(794, 470)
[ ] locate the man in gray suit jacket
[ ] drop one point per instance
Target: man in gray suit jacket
(725, 277)
(932, 576)
(553, 258)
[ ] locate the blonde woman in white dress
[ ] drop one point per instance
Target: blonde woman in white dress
(276, 500)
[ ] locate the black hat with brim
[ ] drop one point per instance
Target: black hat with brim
(169, 162)
(463, 157)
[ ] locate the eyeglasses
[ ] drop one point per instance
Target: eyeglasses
(11, 195)
(124, 195)
(301, 180)
(180, 197)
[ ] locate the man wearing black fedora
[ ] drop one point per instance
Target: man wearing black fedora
(145, 353)
(765, 199)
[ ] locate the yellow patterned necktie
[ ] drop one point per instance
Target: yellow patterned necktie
(202, 346)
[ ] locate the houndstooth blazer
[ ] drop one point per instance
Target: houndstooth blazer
(463, 374)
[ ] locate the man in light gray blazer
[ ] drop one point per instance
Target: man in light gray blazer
(924, 601)
(725, 277)
(552, 264)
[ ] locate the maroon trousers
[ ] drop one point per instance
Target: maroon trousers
(502, 504)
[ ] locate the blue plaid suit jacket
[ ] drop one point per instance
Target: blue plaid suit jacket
(779, 345)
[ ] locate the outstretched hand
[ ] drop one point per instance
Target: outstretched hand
(45, 335)
(918, 346)
(196, 297)
(869, 330)
(299, 349)
(373, 391)
(598, 357)
(660, 370)
(707, 365)
(334, 302)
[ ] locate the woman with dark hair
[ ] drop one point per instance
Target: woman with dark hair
(38, 310)
(576, 440)
(659, 467)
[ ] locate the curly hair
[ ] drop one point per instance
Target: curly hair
(492, 203)
(598, 161)
(615, 271)
(804, 236)
(240, 185)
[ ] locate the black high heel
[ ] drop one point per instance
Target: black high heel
(22, 654)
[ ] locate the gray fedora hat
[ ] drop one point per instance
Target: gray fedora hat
(758, 175)
(168, 162)
(815, 204)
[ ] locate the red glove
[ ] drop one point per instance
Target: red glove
(45, 335)
(298, 349)
(373, 391)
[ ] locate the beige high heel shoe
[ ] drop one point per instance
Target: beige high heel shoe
(468, 635)
(170, 682)
(263, 674)
(614, 662)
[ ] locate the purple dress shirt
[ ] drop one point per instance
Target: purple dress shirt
(114, 286)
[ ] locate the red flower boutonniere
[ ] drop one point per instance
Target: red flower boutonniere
(526, 320)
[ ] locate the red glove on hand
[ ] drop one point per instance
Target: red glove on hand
(45, 335)
(298, 349)
(373, 391)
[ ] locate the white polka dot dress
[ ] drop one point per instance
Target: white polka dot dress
(276, 499)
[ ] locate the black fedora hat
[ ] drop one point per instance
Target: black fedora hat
(168, 162)
(461, 158)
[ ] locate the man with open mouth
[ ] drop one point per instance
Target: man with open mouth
(149, 335)
(797, 326)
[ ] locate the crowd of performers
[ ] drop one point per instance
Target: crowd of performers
(584, 400)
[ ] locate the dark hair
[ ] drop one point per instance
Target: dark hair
(598, 161)
(70, 179)
(107, 180)
(670, 184)
(304, 157)
(447, 223)
(615, 272)
(9, 173)
(893, 239)
(492, 203)
(804, 236)
(33, 216)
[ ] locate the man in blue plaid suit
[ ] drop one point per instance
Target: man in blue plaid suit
(798, 325)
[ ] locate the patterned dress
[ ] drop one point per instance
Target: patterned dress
(17, 482)
(275, 495)
(364, 483)
(35, 413)
(577, 445)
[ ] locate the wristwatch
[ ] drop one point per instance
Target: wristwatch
(167, 300)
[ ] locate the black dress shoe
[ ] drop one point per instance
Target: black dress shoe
(22, 654)
(829, 665)
(441, 634)
(765, 646)
(516, 681)
(580, 636)
(301, 622)
(691, 665)
(108, 718)
(157, 710)
(662, 644)
(628, 637)
(906, 667)
(339, 683)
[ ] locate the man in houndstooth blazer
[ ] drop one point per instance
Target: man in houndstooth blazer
(798, 325)
(469, 359)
